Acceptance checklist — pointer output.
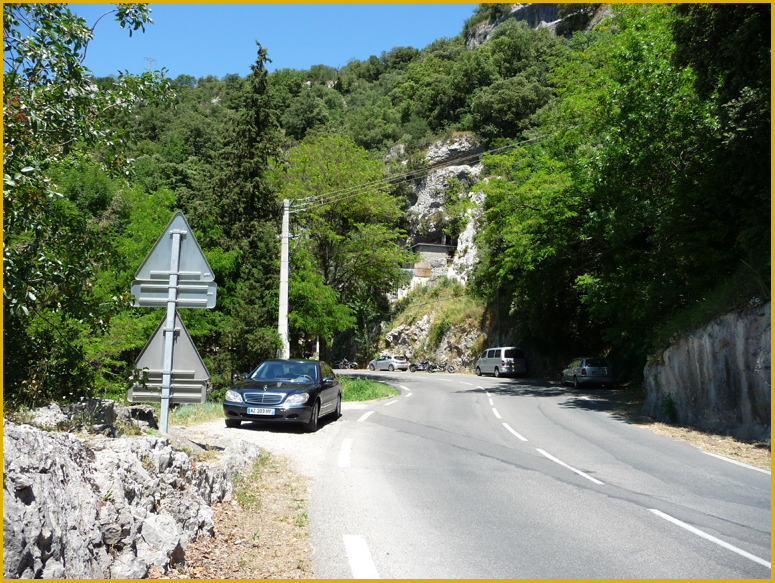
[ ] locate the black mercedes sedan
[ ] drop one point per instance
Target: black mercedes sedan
(285, 391)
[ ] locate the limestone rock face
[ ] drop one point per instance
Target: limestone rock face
(536, 15)
(717, 377)
(99, 507)
(427, 216)
(455, 345)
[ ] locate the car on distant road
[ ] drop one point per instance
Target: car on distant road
(594, 370)
(389, 362)
(285, 391)
(502, 361)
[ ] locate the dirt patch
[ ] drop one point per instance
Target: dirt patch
(261, 533)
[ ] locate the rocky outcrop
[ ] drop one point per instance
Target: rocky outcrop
(456, 159)
(465, 256)
(98, 507)
(536, 15)
(455, 346)
(716, 378)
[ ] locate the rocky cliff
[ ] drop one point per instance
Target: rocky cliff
(100, 507)
(534, 14)
(716, 378)
(453, 162)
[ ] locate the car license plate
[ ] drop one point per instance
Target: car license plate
(260, 411)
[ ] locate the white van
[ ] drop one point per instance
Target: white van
(502, 360)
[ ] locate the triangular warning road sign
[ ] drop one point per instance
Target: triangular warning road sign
(186, 361)
(192, 265)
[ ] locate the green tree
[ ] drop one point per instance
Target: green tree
(349, 219)
(304, 113)
(238, 215)
(52, 109)
(506, 108)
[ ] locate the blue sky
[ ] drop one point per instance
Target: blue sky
(202, 39)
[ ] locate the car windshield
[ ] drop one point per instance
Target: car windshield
(597, 362)
(286, 371)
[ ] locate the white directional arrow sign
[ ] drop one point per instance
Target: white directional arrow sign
(189, 375)
(175, 274)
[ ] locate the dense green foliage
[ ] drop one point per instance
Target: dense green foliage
(628, 187)
(637, 205)
(53, 242)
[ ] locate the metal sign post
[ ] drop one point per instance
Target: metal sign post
(169, 330)
(189, 284)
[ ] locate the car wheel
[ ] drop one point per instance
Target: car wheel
(371, 367)
(311, 426)
(478, 371)
(496, 373)
(338, 410)
(391, 368)
(576, 382)
(233, 422)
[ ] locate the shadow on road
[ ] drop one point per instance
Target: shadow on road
(621, 403)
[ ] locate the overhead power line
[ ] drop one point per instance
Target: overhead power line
(335, 196)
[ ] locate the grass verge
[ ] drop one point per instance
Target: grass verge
(361, 389)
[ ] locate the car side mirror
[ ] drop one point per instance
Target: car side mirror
(328, 380)
(244, 376)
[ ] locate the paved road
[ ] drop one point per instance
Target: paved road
(476, 477)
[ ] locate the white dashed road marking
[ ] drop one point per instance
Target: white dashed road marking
(365, 415)
(408, 395)
(506, 425)
(344, 453)
(359, 556)
(404, 388)
(579, 472)
(713, 539)
(469, 384)
(390, 403)
(498, 415)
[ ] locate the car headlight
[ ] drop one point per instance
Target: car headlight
(297, 399)
(233, 396)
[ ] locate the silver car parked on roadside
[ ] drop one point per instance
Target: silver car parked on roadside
(589, 371)
(389, 362)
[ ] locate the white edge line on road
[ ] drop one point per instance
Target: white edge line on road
(408, 395)
(365, 415)
(359, 556)
(393, 402)
(344, 453)
(705, 535)
(731, 461)
(404, 388)
(579, 472)
(506, 425)
(497, 415)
